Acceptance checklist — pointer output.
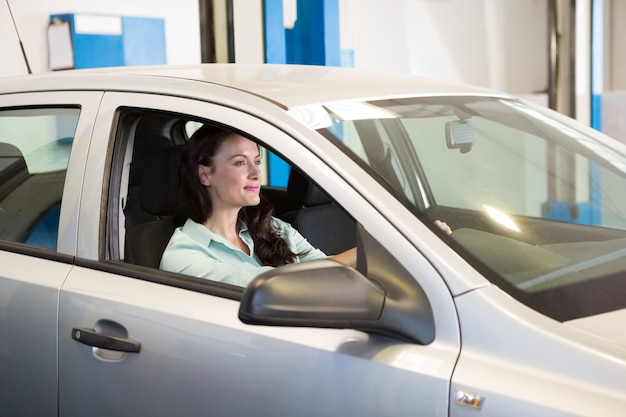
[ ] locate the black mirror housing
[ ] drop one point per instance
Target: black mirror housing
(322, 293)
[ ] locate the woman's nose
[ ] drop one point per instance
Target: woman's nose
(255, 171)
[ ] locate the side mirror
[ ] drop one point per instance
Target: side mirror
(325, 293)
(321, 293)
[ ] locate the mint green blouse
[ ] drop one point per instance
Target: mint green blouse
(195, 250)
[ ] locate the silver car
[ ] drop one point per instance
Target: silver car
(520, 311)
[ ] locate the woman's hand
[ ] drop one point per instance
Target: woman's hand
(349, 257)
(443, 226)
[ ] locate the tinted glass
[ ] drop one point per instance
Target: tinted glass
(34, 152)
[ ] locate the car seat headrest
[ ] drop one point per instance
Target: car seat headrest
(159, 181)
(304, 192)
(144, 145)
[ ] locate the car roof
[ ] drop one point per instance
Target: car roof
(287, 85)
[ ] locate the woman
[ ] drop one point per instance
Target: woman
(227, 231)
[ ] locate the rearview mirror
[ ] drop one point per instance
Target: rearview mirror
(459, 135)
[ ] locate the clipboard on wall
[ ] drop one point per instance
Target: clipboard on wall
(60, 48)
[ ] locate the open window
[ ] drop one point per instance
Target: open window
(141, 201)
(146, 155)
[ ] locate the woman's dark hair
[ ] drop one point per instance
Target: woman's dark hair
(194, 202)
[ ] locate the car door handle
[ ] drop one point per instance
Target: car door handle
(89, 337)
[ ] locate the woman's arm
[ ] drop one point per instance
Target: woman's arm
(348, 257)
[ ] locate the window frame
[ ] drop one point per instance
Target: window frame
(87, 105)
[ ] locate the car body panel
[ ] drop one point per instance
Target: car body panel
(196, 357)
(28, 333)
(550, 359)
(491, 355)
(603, 325)
(299, 85)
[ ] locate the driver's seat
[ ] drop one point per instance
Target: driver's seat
(146, 242)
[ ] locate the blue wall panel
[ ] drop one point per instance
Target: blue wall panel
(141, 41)
(275, 52)
(144, 41)
(313, 40)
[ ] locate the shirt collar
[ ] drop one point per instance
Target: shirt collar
(204, 236)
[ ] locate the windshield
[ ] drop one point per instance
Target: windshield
(534, 204)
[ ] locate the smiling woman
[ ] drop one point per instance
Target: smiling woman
(226, 230)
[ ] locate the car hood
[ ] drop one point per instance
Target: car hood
(609, 326)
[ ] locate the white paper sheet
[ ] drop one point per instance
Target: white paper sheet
(60, 49)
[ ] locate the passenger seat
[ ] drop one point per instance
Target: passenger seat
(325, 225)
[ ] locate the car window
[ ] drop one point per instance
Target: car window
(35, 146)
(148, 183)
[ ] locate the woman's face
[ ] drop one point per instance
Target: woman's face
(234, 180)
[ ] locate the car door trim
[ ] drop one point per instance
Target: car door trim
(39, 252)
(171, 279)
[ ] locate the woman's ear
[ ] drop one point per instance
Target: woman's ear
(204, 175)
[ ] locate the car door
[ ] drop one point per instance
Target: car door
(139, 341)
(39, 191)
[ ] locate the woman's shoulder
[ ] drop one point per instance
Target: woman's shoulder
(282, 227)
(278, 222)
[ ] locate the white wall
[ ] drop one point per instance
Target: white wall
(499, 44)
(492, 43)
(248, 27)
(615, 45)
(182, 27)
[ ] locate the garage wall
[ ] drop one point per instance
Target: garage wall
(615, 42)
(614, 97)
(492, 43)
(182, 29)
